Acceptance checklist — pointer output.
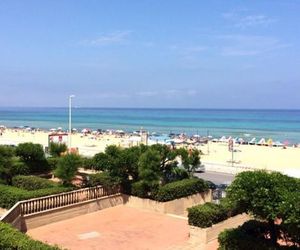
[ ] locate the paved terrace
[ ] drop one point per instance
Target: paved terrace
(119, 228)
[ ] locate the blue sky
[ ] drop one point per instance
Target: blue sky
(138, 53)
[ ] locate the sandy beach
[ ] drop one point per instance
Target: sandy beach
(246, 156)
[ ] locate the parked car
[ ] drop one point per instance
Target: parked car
(200, 168)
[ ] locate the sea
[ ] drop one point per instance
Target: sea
(281, 125)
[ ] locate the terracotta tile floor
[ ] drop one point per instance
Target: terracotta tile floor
(116, 228)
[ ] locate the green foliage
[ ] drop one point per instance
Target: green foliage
(33, 156)
(269, 196)
(149, 166)
(56, 149)
(190, 159)
(179, 189)
(87, 163)
(52, 162)
(10, 165)
(144, 190)
(251, 235)
(206, 215)
(103, 179)
(12, 239)
(32, 182)
(10, 195)
(67, 167)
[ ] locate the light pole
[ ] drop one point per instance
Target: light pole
(70, 120)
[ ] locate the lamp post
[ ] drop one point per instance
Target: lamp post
(70, 119)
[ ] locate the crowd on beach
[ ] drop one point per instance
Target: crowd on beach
(136, 137)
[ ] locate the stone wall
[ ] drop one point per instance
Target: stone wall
(177, 207)
(204, 235)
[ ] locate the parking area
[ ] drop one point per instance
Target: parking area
(119, 228)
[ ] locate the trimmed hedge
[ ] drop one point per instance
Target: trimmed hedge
(179, 189)
(10, 195)
(12, 239)
(103, 179)
(32, 182)
(210, 213)
(206, 215)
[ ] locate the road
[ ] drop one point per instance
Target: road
(216, 177)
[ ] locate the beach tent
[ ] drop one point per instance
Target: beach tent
(252, 141)
(286, 143)
(270, 142)
(85, 130)
(278, 144)
(261, 142)
(223, 139)
(52, 129)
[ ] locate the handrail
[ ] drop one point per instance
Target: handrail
(49, 202)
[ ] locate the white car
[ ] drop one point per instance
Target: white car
(200, 168)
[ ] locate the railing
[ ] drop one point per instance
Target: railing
(64, 199)
(12, 214)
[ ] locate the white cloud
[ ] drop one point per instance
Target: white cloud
(115, 37)
(147, 93)
(240, 20)
(247, 45)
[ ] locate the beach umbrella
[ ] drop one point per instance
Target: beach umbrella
(59, 128)
(85, 130)
(52, 129)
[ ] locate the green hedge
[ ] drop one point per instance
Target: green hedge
(12, 239)
(206, 215)
(32, 182)
(179, 189)
(103, 179)
(10, 195)
(210, 213)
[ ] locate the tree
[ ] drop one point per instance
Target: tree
(56, 149)
(33, 156)
(190, 159)
(10, 165)
(67, 168)
(149, 166)
(268, 196)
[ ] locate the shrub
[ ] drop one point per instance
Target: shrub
(32, 182)
(67, 167)
(52, 162)
(179, 189)
(56, 149)
(252, 235)
(10, 195)
(144, 190)
(33, 156)
(206, 215)
(87, 163)
(11, 238)
(103, 179)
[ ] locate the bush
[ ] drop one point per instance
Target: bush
(52, 162)
(11, 238)
(56, 149)
(103, 179)
(32, 182)
(206, 215)
(67, 168)
(144, 190)
(252, 235)
(179, 189)
(33, 156)
(10, 195)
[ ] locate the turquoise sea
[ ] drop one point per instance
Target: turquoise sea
(276, 124)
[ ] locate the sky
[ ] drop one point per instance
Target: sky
(150, 53)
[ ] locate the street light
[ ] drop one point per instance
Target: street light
(70, 119)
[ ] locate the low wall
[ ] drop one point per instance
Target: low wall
(177, 207)
(201, 235)
(14, 217)
(67, 212)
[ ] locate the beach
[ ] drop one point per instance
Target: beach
(215, 154)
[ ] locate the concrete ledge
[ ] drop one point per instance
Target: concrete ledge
(204, 235)
(177, 207)
(70, 211)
